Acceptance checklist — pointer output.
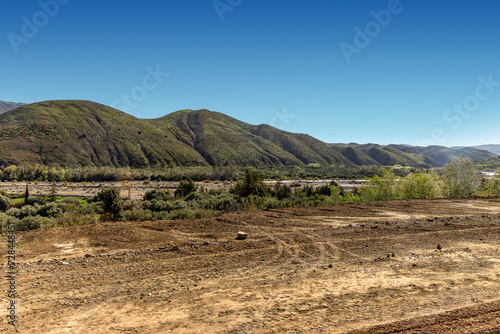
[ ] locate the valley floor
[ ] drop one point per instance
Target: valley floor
(361, 268)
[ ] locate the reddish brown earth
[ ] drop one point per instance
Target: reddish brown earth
(360, 268)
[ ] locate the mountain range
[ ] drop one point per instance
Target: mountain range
(6, 106)
(493, 148)
(84, 133)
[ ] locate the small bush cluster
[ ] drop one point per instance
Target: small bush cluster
(38, 212)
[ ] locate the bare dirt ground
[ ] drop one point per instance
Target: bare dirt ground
(360, 268)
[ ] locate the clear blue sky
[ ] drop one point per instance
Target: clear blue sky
(280, 62)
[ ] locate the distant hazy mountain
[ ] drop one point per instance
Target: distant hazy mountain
(6, 106)
(84, 133)
(431, 156)
(493, 148)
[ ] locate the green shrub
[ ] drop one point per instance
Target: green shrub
(219, 200)
(130, 204)
(460, 179)
(4, 203)
(420, 185)
(271, 203)
(180, 205)
(6, 220)
(25, 211)
(137, 214)
(225, 202)
(33, 200)
(323, 190)
(161, 205)
(162, 215)
(182, 214)
(282, 191)
(158, 194)
(91, 208)
(251, 184)
(17, 202)
(32, 223)
(491, 187)
(185, 188)
(71, 218)
(111, 203)
(338, 188)
(252, 202)
(380, 188)
(50, 209)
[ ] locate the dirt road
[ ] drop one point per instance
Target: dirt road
(366, 268)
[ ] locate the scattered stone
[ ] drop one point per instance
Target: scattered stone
(241, 236)
(175, 248)
(88, 255)
(330, 265)
(392, 254)
(439, 247)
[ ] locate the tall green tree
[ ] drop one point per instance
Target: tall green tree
(380, 188)
(26, 193)
(185, 188)
(460, 179)
(421, 185)
(252, 184)
(491, 186)
(111, 202)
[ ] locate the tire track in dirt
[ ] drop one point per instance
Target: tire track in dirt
(279, 280)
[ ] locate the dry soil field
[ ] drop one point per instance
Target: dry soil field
(360, 268)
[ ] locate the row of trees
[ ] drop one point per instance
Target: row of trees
(200, 173)
(59, 174)
(458, 179)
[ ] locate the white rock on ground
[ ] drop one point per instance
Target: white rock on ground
(242, 235)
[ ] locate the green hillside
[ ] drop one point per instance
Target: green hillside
(354, 155)
(84, 133)
(221, 139)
